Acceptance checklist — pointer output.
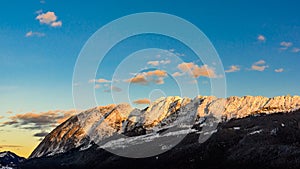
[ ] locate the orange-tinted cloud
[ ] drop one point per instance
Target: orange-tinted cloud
(233, 68)
(142, 101)
(49, 18)
(101, 80)
(139, 78)
(158, 73)
(177, 74)
(41, 120)
(196, 71)
(259, 66)
(147, 77)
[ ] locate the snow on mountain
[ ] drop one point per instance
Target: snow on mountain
(101, 123)
(9, 159)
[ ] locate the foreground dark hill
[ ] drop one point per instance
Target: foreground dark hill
(10, 159)
(256, 141)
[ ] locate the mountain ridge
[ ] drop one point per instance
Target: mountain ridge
(102, 122)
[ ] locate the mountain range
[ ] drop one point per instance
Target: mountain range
(175, 132)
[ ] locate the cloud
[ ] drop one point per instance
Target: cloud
(41, 134)
(11, 122)
(139, 78)
(261, 38)
(1, 117)
(285, 45)
(233, 68)
(259, 66)
(113, 88)
(142, 101)
(9, 146)
(156, 62)
(36, 34)
(159, 81)
(43, 120)
(176, 74)
(56, 24)
(9, 112)
(158, 73)
(279, 70)
(101, 80)
(153, 63)
(156, 76)
(97, 86)
(260, 62)
(296, 50)
(196, 71)
(49, 18)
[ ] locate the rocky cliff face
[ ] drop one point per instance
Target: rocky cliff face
(100, 123)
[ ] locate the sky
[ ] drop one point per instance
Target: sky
(258, 43)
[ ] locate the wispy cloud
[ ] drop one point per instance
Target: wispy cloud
(259, 66)
(101, 80)
(113, 88)
(233, 68)
(285, 45)
(261, 38)
(279, 70)
(97, 86)
(49, 18)
(157, 62)
(3, 146)
(1, 117)
(36, 34)
(41, 134)
(197, 71)
(177, 74)
(38, 121)
(142, 101)
(43, 120)
(144, 78)
(296, 50)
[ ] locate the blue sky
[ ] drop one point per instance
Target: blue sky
(37, 55)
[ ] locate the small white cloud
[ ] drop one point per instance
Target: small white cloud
(285, 45)
(49, 18)
(261, 38)
(260, 62)
(156, 62)
(233, 68)
(279, 70)
(296, 50)
(37, 34)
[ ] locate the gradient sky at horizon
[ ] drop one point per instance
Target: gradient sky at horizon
(258, 43)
